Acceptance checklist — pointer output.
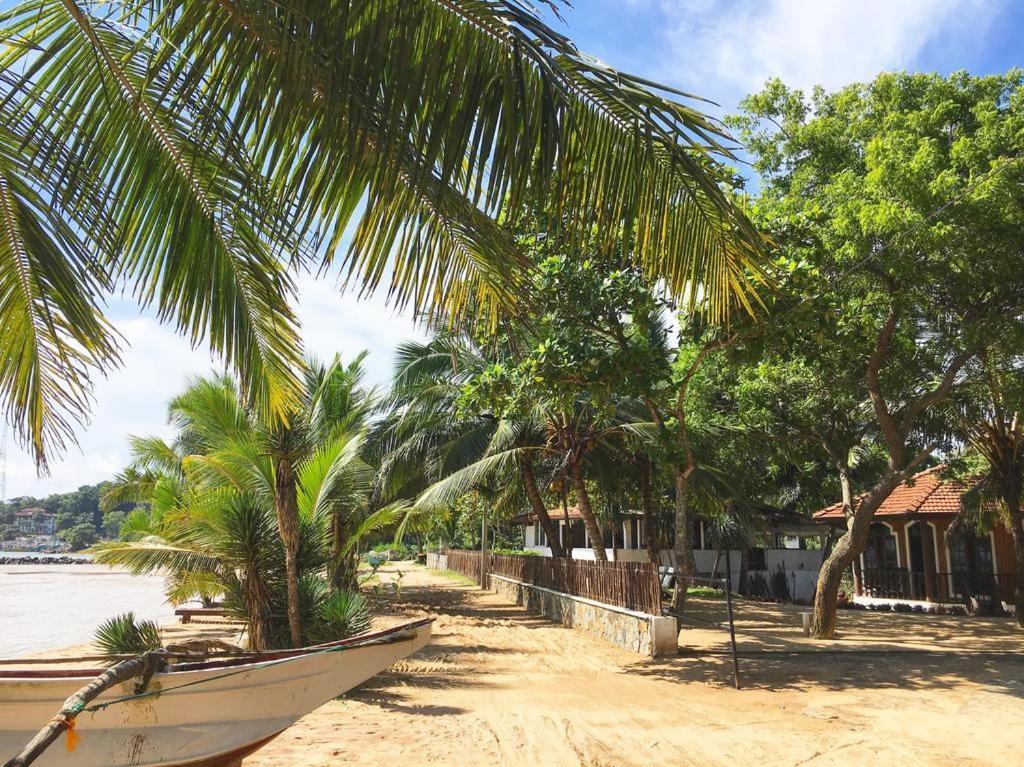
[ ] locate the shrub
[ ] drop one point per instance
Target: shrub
(515, 553)
(124, 635)
(341, 615)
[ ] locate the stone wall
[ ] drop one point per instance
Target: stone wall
(650, 635)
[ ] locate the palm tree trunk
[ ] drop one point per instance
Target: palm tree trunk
(683, 546)
(587, 512)
(257, 608)
(537, 504)
(343, 567)
(286, 504)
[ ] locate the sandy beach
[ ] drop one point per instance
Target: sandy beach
(500, 686)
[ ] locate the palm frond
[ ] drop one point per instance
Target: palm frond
(458, 483)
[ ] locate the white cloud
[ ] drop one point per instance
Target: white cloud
(730, 50)
(157, 363)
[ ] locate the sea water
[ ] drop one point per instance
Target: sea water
(44, 607)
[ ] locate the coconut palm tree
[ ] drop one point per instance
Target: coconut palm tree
(221, 483)
(428, 436)
(990, 419)
(196, 154)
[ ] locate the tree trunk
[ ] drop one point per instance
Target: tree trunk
(647, 509)
(257, 608)
(343, 567)
(539, 509)
(683, 546)
(587, 512)
(286, 503)
(847, 548)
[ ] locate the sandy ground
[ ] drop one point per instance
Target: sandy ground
(500, 686)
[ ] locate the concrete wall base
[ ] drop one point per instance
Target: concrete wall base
(649, 635)
(437, 561)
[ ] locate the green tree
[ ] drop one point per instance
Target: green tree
(197, 152)
(899, 205)
(112, 522)
(79, 536)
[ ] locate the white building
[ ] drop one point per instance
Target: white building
(794, 547)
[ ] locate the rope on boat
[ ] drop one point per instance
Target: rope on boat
(391, 638)
(64, 720)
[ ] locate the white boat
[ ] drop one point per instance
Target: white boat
(209, 714)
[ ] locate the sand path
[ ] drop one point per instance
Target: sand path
(500, 686)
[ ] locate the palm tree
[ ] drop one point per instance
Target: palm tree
(233, 476)
(427, 436)
(990, 419)
(198, 153)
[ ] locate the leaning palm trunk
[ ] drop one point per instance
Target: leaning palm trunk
(286, 504)
(587, 512)
(537, 503)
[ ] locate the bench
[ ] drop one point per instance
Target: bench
(186, 614)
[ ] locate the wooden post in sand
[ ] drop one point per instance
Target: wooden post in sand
(483, 549)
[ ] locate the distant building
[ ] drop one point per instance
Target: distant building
(36, 521)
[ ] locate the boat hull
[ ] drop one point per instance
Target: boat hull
(205, 717)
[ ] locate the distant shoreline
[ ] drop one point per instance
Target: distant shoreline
(33, 558)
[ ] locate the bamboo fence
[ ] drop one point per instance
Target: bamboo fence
(633, 585)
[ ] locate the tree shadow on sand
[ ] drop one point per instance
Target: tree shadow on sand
(773, 669)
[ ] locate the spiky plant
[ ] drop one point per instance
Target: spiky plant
(341, 614)
(125, 635)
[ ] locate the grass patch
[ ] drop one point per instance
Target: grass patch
(457, 577)
(705, 591)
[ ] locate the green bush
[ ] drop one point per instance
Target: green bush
(515, 553)
(705, 591)
(79, 536)
(124, 635)
(341, 615)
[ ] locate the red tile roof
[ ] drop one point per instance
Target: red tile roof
(926, 493)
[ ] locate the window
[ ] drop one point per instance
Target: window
(880, 553)
(960, 549)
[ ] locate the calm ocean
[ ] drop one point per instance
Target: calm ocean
(43, 607)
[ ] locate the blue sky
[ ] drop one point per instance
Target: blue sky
(719, 49)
